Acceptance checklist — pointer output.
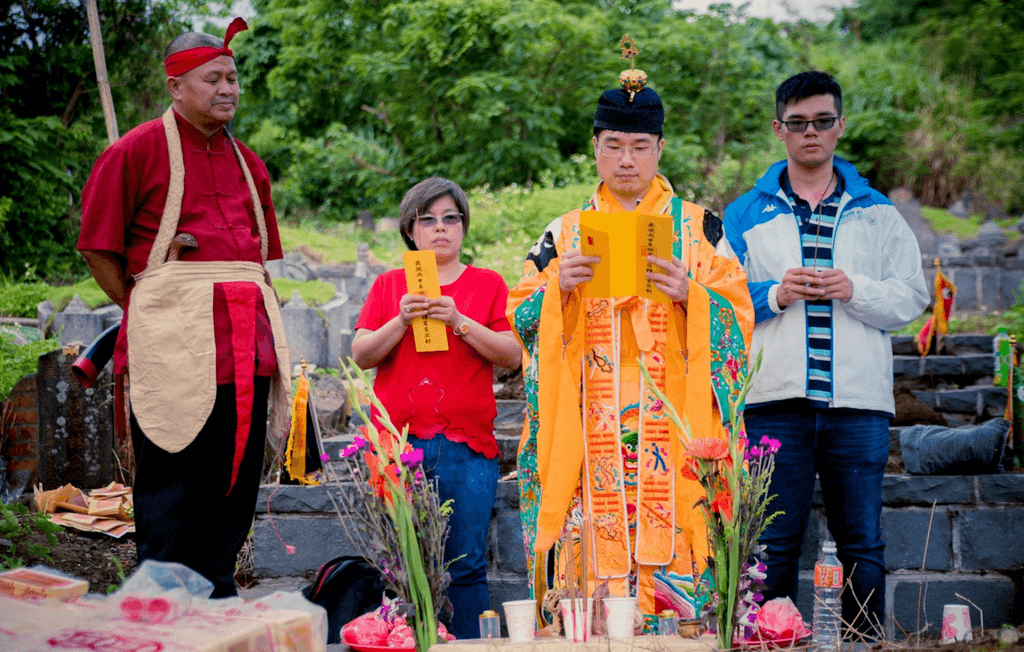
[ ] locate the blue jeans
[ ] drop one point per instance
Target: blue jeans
(848, 449)
(471, 480)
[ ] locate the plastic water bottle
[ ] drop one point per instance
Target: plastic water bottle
(1001, 357)
(828, 582)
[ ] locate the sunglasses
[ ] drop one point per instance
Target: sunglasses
(429, 221)
(820, 124)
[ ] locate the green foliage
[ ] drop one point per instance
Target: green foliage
(942, 221)
(23, 529)
(506, 222)
(120, 573)
(51, 122)
(21, 299)
(330, 243)
(87, 289)
(313, 293)
(41, 163)
(354, 102)
(16, 361)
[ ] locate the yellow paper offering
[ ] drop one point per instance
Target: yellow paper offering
(623, 241)
(421, 278)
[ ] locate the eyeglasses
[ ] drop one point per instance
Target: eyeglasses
(429, 221)
(639, 152)
(820, 124)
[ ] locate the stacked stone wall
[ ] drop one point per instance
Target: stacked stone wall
(973, 526)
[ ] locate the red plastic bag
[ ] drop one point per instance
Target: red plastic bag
(367, 629)
(443, 634)
(779, 622)
(401, 636)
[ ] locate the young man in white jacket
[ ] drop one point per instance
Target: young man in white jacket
(832, 267)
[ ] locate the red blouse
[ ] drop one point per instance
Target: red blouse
(449, 392)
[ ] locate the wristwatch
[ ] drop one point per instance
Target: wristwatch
(462, 328)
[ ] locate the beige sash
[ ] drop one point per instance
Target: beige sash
(172, 353)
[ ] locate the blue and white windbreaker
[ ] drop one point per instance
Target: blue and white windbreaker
(880, 255)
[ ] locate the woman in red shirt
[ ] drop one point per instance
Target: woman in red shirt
(445, 397)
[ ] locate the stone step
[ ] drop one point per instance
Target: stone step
(978, 400)
(958, 344)
(960, 369)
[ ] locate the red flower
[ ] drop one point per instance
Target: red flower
(723, 504)
(689, 470)
(708, 448)
(376, 479)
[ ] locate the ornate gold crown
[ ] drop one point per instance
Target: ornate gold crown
(633, 80)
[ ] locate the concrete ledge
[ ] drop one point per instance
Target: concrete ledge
(316, 540)
(992, 593)
(991, 538)
(906, 531)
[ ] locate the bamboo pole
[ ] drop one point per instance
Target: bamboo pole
(96, 39)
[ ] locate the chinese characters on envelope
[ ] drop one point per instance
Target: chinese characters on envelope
(623, 241)
(421, 278)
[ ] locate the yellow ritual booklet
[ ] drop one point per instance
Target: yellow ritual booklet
(623, 241)
(421, 278)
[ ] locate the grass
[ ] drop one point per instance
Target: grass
(87, 289)
(313, 293)
(332, 244)
(942, 221)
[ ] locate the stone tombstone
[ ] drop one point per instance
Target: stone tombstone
(958, 208)
(365, 221)
(110, 314)
(306, 332)
(44, 312)
(296, 268)
(910, 209)
(340, 313)
(76, 426)
(990, 237)
(330, 398)
(947, 245)
(76, 323)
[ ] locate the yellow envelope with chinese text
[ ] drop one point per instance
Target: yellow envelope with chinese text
(421, 278)
(623, 241)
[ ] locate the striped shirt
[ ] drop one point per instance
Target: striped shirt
(817, 235)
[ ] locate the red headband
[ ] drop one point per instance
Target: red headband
(180, 63)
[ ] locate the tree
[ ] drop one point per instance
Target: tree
(51, 125)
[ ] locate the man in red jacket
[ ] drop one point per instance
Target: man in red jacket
(202, 337)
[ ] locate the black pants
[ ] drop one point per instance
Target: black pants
(181, 511)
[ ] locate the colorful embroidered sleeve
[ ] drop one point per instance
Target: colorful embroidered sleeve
(715, 266)
(524, 300)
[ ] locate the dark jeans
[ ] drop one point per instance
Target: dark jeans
(848, 449)
(181, 512)
(471, 480)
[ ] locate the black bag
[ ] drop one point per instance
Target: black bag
(347, 587)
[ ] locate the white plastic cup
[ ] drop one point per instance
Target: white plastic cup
(620, 614)
(576, 625)
(956, 624)
(521, 620)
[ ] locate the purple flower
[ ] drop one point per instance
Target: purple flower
(772, 445)
(412, 458)
(358, 443)
(324, 457)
